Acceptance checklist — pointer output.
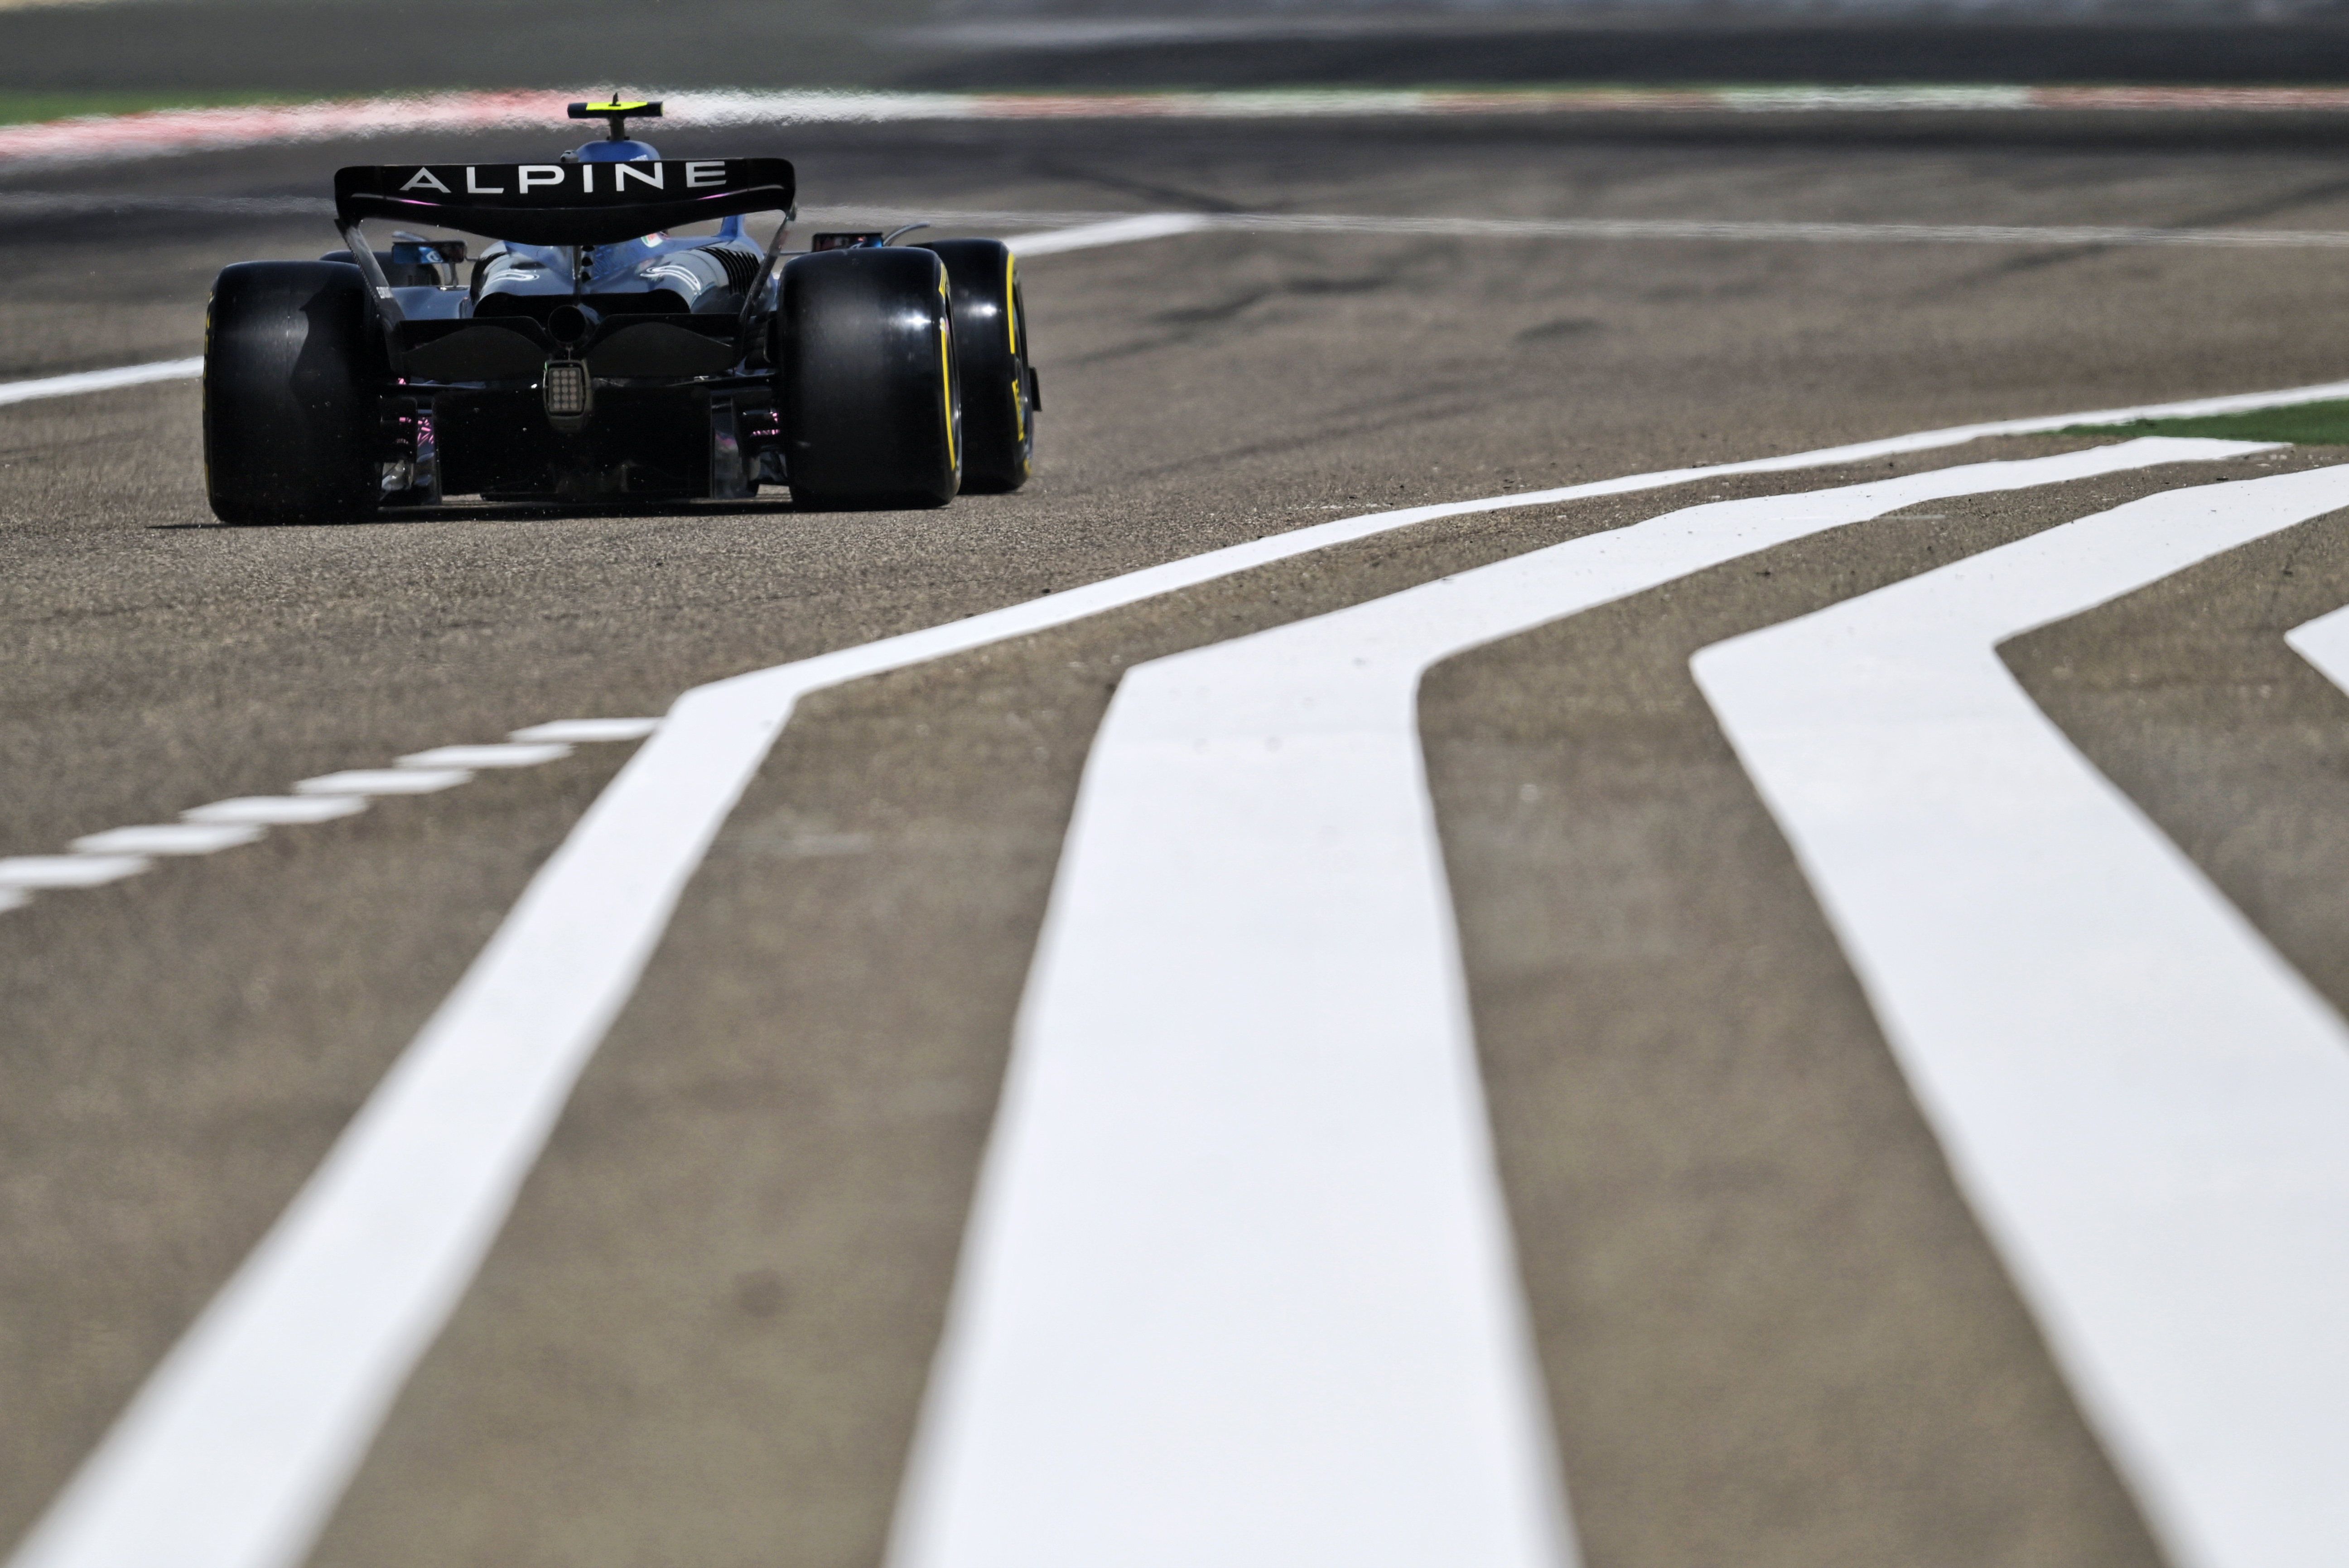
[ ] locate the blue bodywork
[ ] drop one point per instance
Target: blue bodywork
(638, 266)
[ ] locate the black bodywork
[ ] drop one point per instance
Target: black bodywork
(585, 354)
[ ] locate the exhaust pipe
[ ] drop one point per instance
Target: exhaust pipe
(570, 324)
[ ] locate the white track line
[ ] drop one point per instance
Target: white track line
(1115, 231)
(23, 874)
(1757, 232)
(240, 1441)
(1240, 1206)
(2145, 1105)
(102, 858)
(278, 810)
(2324, 642)
(502, 754)
(170, 838)
(1159, 225)
(101, 380)
(587, 731)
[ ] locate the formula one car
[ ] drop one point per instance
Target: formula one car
(587, 355)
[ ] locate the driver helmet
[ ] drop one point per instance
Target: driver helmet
(624, 150)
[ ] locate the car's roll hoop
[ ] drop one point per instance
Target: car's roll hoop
(576, 202)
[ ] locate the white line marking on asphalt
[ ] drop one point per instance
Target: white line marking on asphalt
(225, 824)
(101, 380)
(2062, 235)
(278, 810)
(385, 781)
(232, 1453)
(1240, 1206)
(167, 838)
(14, 898)
(502, 754)
(1115, 231)
(28, 872)
(2147, 1108)
(2324, 642)
(1743, 231)
(570, 732)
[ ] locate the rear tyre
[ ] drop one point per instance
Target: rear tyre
(991, 326)
(864, 373)
(292, 371)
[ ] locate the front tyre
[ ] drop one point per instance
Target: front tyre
(991, 340)
(864, 370)
(291, 374)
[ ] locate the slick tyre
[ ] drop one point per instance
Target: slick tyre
(292, 371)
(990, 325)
(865, 371)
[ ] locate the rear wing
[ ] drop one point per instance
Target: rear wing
(571, 203)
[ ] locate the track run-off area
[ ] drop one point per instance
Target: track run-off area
(1594, 884)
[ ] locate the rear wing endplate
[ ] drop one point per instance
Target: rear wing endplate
(571, 203)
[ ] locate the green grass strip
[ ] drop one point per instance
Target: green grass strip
(2303, 424)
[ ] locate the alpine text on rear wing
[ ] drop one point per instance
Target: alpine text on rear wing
(568, 203)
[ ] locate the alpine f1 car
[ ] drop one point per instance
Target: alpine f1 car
(588, 354)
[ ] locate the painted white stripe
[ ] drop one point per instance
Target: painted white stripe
(101, 380)
(237, 1446)
(2146, 1106)
(1116, 232)
(1745, 231)
(1806, 232)
(225, 825)
(31, 872)
(2324, 642)
(500, 754)
(167, 838)
(278, 810)
(586, 731)
(384, 781)
(1240, 1206)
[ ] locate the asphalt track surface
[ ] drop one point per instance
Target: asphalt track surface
(1769, 1328)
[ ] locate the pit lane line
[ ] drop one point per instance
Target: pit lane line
(2145, 1105)
(235, 1449)
(1240, 1206)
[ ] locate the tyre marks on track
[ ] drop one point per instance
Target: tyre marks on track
(2142, 1100)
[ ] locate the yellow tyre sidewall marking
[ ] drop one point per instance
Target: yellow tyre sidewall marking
(945, 363)
(1011, 325)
